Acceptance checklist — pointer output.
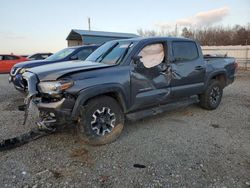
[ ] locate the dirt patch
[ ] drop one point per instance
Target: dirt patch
(82, 155)
(56, 174)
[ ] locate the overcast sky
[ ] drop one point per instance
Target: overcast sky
(28, 26)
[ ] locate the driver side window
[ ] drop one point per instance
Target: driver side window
(152, 55)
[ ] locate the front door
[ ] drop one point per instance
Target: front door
(150, 77)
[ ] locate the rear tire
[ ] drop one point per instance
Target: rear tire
(211, 98)
(101, 121)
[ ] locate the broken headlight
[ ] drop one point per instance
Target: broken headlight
(23, 70)
(55, 87)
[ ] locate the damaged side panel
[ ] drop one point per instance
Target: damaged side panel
(151, 76)
(32, 81)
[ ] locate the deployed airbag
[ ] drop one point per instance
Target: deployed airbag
(152, 55)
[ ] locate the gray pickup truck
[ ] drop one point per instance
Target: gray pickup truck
(122, 79)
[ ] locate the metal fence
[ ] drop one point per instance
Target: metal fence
(241, 53)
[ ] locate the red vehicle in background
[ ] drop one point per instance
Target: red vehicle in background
(7, 62)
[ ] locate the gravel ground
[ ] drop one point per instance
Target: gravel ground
(188, 147)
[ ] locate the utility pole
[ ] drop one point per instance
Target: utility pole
(89, 23)
(176, 30)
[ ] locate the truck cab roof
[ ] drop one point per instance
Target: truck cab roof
(151, 39)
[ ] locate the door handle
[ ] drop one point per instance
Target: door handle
(199, 68)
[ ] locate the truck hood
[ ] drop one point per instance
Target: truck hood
(56, 70)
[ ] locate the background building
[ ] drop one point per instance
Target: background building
(80, 37)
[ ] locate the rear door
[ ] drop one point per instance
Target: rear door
(188, 69)
(150, 81)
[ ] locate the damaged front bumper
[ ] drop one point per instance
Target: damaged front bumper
(51, 110)
(60, 110)
(51, 105)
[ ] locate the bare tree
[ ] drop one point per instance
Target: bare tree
(150, 33)
(209, 36)
(238, 35)
(187, 33)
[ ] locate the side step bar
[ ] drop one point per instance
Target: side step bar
(162, 108)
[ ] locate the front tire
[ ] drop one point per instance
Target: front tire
(211, 98)
(101, 121)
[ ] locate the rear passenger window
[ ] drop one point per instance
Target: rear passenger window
(184, 51)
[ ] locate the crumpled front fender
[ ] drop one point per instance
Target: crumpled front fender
(32, 81)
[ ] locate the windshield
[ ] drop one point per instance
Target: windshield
(61, 54)
(111, 52)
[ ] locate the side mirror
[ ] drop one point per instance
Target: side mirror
(74, 57)
(136, 59)
(138, 63)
